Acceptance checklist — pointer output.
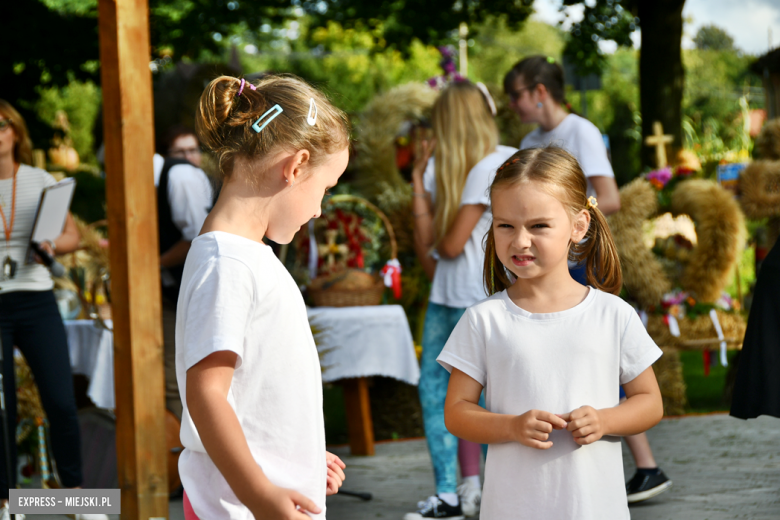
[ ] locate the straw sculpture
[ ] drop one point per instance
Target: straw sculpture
(720, 227)
(760, 189)
(643, 275)
(768, 141)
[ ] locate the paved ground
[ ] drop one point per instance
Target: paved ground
(722, 468)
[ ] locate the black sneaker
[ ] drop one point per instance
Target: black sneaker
(435, 507)
(643, 486)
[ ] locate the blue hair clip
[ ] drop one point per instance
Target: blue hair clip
(272, 113)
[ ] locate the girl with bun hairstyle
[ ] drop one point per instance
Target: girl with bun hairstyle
(246, 362)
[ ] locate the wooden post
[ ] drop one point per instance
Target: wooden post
(135, 272)
(359, 423)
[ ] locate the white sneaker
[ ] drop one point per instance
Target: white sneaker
(470, 498)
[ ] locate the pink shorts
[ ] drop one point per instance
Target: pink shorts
(189, 513)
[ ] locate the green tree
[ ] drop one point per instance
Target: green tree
(713, 38)
(429, 21)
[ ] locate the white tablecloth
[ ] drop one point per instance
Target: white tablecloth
(365, 341)
(356, 341)
(92, 355)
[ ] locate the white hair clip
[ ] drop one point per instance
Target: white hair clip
(311, 118)
(274, 112)
(481, 86)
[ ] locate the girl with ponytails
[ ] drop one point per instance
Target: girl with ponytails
(550, 352)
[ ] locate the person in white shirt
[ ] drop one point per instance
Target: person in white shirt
(549, 352)
(452, 216)
(248, 369)
(184, 198)
(535, 86)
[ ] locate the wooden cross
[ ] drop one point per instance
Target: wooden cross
(331, 249)
(659, 140)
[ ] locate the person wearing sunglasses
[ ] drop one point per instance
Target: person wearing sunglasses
(535, 86)
(29, 316)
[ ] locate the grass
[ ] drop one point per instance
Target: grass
(705, 393)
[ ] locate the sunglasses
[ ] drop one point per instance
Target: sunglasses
(5, 123)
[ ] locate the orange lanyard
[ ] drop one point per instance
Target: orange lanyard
(8, 230)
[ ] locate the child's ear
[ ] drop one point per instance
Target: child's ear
(580, 226)
(295, 165)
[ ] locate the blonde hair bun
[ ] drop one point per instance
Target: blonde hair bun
(224, 119)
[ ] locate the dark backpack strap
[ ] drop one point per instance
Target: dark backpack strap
(168, 232)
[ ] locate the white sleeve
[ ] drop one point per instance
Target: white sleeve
(638, 351)
(189, 192)
(591, 152)
(465, 350)
(220, 300)
(477, 188)
(429, 178)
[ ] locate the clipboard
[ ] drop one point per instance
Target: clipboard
(52, 212)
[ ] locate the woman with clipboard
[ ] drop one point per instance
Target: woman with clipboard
(29, 317)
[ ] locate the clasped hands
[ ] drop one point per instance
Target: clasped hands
(533, 428)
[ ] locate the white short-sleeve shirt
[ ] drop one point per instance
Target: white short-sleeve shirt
(30, 183)
(189, 193)
(579, 137)
(457, 281)
(237, 296)
(554, 362)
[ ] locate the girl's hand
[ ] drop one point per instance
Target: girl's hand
(533, 428)
(335, 473)
(585, 424)
(421, 161)
(282, 504)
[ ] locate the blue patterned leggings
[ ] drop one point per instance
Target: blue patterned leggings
(442, 445)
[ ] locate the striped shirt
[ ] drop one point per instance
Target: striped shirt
(29, 185)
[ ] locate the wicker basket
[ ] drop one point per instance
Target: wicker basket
(336, 297)
(347, 297)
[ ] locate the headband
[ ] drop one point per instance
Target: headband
(481, 86)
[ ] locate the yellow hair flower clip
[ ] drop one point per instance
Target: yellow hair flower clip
(592, 202)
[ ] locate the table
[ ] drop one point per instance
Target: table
(356, 343)
(92, 355)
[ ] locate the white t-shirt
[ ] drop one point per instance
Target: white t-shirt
(189, 194)
(237, 296)
(554, 362)
(29, 185)
(579, 137)
(457, 281)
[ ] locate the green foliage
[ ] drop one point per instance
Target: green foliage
(716, 103)
(497, 47)
(713, 38)
(81, 102)
(603, 20)
(404, 21)
(89, 199)
(352, 65)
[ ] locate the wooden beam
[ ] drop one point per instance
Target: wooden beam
(360, 426)
(135, 279)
